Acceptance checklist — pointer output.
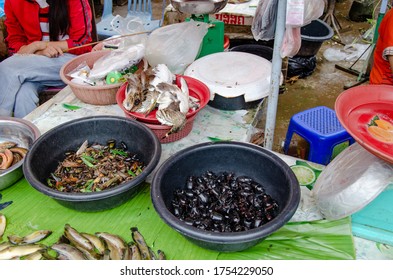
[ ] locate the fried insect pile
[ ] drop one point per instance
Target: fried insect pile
(95, 168)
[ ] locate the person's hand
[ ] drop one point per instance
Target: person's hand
(33, 47)
(98, 47)
(51, 50)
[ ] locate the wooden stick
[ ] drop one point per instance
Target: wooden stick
(106, 40)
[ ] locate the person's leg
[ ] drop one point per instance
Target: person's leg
(18, 69)
(26, 99)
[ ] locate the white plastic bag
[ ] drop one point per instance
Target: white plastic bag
(299, 13)
(292, 42)
(351, 181)
(264, 22)
(117, 60)
(350, 52)
(176, 45)
(126, 26)
(302, 12)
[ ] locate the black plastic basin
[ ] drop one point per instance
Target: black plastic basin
(241, 158)
(46, 153)
(313, 35)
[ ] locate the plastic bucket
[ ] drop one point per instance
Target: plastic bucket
(313, 35)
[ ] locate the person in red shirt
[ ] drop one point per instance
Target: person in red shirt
(382, 69)
(39, 34)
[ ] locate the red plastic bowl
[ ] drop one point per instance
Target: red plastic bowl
(356, 107)
(197, 89)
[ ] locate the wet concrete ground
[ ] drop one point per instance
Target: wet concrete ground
(320, 88)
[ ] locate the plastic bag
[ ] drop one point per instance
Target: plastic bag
(302, 12)
(176, 45)
(264, 22)
(351, 181)
(80, 75)
(292, 42)
(350, 52)
(299, 13)
(126, 26)
(301, 66)
(117, 60)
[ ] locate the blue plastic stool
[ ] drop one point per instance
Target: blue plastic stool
(320, 127)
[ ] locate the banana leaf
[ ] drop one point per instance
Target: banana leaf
(32, 210)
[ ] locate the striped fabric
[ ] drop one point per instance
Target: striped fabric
(44, 23)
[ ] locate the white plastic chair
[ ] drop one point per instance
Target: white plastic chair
(141, 9)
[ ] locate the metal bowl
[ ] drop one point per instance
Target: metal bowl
(22, 132)
(199, 6)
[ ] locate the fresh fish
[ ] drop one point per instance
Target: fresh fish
(15, 239)
(67, 252)
(152, 254)
(135, 253)
(141, 243)
(3, 224)
(115, 244)
(77, 239)
(30, 238)
(20, 250)
(161, 255)
(90, 255)
(4, 245)
(97, 242)
(34, 256)
(106, 256)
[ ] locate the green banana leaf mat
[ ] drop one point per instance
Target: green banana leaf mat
(32, 211)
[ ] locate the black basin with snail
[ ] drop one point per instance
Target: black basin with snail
(49, 149)
(241, 158)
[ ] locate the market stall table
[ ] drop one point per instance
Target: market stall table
(307, 236)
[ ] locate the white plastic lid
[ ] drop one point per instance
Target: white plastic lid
(231, 74)
(350, 182)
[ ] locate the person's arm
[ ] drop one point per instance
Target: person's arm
(53, 48)
(16, 36)
(17, 40)
(80, 26)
